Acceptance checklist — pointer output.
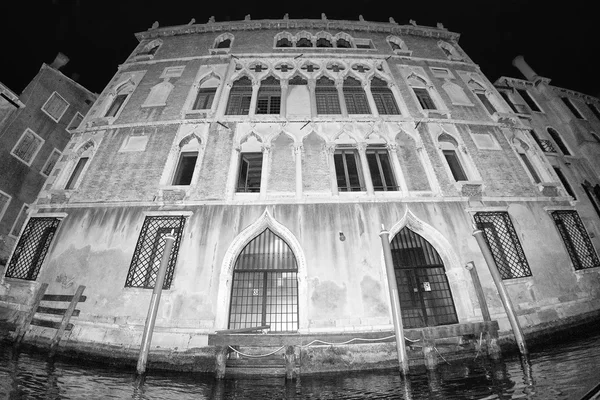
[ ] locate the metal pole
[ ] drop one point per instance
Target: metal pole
(485, 312)
(510, 312)
(394, 300)
(153, 309)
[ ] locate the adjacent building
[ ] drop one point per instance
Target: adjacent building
(275, 150)
(35, 127)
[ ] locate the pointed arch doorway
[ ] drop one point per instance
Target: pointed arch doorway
(425, 296)
(264, 288)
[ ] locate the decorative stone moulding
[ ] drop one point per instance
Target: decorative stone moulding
(473, 190)
(549, 189)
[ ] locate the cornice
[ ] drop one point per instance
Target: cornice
(573, 93)
(287, 24)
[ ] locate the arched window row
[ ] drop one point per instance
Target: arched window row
(321, 40)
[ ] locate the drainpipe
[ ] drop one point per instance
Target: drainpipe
(394, 300)
(506, 302)
(153, 309)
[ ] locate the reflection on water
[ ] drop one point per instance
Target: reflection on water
(558, 371)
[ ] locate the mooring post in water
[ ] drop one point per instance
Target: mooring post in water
(153, 309)
(394, 300)
(506, 302)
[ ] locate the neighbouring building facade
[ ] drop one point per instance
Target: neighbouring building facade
(274, 150)
(35, 127)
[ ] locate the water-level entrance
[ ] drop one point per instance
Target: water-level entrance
(425, 296)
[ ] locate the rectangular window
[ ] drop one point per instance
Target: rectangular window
(20, 221)
(328, 101)
(72, 182)
(4, 201)
(424, 99)
(564, 182)
(502, 239)
(239, 103)
(576, 239)
(588, 189)
(486, 102)
(28, 146)
(363, 43)
(572, 107)
(455, 166)
(55, 106)
(149, 251)
(530, 168)
(529, 100)
(50, 163)
(116, 105)
(594, 109)
(185, 168)
(506, 98)
(31, 249)
(356, 101)
(204, 99)
(347, 170)
(385, 102)
(381, 170)
(250, 172)
(268, 103)
(75, 122)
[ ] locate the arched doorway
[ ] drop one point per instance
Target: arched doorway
(425, 296)
(264, 290)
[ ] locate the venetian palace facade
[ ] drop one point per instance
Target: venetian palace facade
(275, 150)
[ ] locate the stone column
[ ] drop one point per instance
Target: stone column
(223, 100)
(339, 85)
(283, 102)
(232, 177)
(362, 152)
(401, 181)
(370, 99)
(298, 157)
(255, 87)
(313, 97)
(266, 148)
(330, 152)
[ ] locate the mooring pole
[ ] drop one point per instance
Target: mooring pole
(153, 309)
(506, 302)
(394, 300)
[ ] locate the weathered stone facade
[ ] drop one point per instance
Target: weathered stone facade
(452, 145)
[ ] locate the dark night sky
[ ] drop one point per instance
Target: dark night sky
(558, 42)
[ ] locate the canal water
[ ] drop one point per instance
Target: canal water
(559, 370)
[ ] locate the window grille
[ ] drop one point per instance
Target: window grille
(383, 97)
(529, 100)
(424, 98)
(347, 169)
(116, 105)
(31, 249)
(381, 170)
(204, 99)
(269, 97)
(149, 251)
(578, 243)
(328, 101)
(239, 97)
(561, 145)
(572, 107)
(250, 172)
(265, 285)
(502, 239)
(355, 97)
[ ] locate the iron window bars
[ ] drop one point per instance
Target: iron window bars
(265, 285)
(31, 249)
(502, 239)
(578, 243)
(149, 250)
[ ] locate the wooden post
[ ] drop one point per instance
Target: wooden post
(221, 362)
(154, 302)
(506, 302)
(22, 329)
(394, 300)
(290, 363)
(65, 319)
(485, 312)
(431, 359)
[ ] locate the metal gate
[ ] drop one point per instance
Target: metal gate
(265, 285)
(425, 296)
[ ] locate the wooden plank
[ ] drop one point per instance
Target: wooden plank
(62, 297)
(56, 311)
(245, 330)
(21, 330)
(66, 318)
(49, 324)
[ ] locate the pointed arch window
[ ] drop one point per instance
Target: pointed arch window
(355, 97)
(304, 42)
(240, 96)
(557, 139)
(384, 98)
(419, 87)
(206, 94)
(284, 42)
(343, 43)
(116, 105)
(158, 94)
(328, 101)
(324, 42)
(223, 41)
(81, 166)
(186, 164)
(265, 285)
(452, 157)
(522, 150)
(269, 96)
